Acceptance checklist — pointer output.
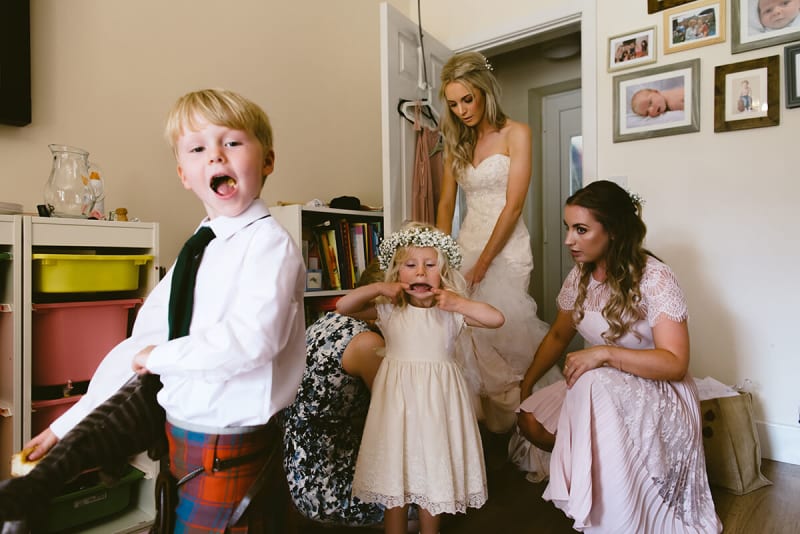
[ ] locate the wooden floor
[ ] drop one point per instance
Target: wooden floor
(515, 506)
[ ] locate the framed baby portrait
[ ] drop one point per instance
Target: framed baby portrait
(761, 23)
(747, 94)
(632, 49)
(654, 6)
(697, 24)
(791, 58)
(657, 102)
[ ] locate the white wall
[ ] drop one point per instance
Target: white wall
(105, 73)
(720, 206)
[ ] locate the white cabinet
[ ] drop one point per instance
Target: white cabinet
(303, 222)
(22, 237)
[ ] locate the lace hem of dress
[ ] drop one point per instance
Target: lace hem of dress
(473, 500)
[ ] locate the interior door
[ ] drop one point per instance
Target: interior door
(562, 148)
(403, 77)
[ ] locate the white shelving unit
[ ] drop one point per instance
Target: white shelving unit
(295, 217)
(23, 236)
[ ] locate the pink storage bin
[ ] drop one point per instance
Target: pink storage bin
(71, 338)
(45, 412)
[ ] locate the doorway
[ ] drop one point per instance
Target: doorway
(542, 85)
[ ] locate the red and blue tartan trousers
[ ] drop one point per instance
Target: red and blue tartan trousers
(206, 501)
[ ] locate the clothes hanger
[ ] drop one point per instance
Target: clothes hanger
(406, 108)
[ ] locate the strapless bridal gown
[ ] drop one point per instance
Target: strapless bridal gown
(495, 360)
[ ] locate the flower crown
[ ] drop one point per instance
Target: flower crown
(419, 237)
(487, 65)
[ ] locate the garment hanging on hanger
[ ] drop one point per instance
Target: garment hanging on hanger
(428, 170)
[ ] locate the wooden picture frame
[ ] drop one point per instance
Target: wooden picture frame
(747, 94)
(642, 102)
(791, 58)
(632, 49)
(749, 32)
(654, 6)
(699, 24)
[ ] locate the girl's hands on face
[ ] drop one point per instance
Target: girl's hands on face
(581, 361)
(446, 299)
(393, 290)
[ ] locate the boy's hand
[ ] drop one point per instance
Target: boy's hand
(139, 364)
(40, 444)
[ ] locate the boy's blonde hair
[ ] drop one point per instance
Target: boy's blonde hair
(452, 279)
(220, 107)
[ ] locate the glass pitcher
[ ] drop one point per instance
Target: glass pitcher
(68, 192)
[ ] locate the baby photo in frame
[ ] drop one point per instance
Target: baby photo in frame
(657, 102)
(761, 23)
(747, 94)
(632, 49)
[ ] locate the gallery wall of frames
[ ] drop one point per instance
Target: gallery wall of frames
(651, 100)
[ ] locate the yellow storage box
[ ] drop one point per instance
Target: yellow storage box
(86, 273)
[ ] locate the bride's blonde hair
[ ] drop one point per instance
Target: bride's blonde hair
(473, 70)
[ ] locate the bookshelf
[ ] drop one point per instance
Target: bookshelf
(337, 245)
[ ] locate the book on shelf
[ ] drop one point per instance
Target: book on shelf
(375, 236)
(317, 307)
(358, 241)
(346, 267)
(328, 253)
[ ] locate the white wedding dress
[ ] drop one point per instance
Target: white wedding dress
(495, 360)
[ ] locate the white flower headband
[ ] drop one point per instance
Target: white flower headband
(419, 237)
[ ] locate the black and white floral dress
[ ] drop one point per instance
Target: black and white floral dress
(323, 428)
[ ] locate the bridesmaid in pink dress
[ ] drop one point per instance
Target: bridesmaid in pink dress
(624, 427)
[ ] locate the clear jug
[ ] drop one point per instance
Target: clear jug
(68, 192)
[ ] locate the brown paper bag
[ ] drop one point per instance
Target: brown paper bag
(733, 452)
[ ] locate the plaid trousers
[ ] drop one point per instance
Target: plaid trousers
(220, 469)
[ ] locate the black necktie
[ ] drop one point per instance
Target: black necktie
(181, 297)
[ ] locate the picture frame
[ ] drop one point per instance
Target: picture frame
(654, 6)
(632, 49)
(747, 94)
(699, 24)
(791, 58)
(642, 102)
(748, 32)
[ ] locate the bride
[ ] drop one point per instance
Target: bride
(488, 155)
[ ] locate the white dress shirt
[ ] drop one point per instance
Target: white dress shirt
(245, 353)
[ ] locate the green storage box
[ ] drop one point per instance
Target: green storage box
(79, 506)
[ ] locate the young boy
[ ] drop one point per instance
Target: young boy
(242, 358)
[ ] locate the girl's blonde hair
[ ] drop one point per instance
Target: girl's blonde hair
(220, 107)
(451, 278)
(473, 70)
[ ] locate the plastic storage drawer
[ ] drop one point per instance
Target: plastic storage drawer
(71, 338)
(45, 412)
(86, 273)
(5, 261)
(93, 502)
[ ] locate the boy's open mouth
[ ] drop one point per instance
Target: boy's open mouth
(420, 287)
(223, 185)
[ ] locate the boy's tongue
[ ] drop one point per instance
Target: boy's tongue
(223, 185)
